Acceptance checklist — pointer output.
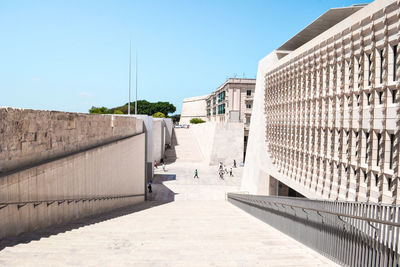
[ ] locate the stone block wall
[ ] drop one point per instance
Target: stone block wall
(29, 136)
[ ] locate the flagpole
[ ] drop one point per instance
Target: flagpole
(130, 61)
(136, 81)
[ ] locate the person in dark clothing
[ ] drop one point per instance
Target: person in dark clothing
(196, 174)
(234, 163)
(149, 187)
(230, 173)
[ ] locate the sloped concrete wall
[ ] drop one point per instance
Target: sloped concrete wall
(193, 107)
(220, 142)
(116, 169)
(158, 139)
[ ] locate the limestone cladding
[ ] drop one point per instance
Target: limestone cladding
(31, 136)
(193, 107)
(332, 109)
(115, 169)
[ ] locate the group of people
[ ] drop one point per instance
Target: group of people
(156, 165)
(222, 170)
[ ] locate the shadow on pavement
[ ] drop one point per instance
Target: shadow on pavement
(160, 191)
(161, 195)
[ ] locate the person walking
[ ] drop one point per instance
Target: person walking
(234, 163)
(155, 164)
(163, 167)
(196, 174)
(230, 173)
(149, 187)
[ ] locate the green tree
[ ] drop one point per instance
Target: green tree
(99, 110)
(143, 107)
(158, 115)
(175, 118)
(117, 111)
(196, 120)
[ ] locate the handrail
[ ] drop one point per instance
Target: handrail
(36, 203)
(230, 195)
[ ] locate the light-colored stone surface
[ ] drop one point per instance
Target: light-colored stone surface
(158, 139)
(185, 232)
(193, 107)
(30, 136)
(115, 169)
(219, 142)
(184, 147)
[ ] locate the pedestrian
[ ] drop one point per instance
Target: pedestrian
(196, 174)
(155, 164)
(149, 187)
(234, 163)
(221, 174)
(163, 167)
(230, 173)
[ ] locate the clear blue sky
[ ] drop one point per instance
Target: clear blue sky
(71, 55)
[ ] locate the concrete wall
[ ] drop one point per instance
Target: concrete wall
(31, 136)
(115, 169)
(158, 139)
(255, 178)
(169, 127)
(220, 142)
(193, 107)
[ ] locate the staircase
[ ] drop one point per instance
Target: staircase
(184, 147)
(183, 233)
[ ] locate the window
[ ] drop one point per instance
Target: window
(248, 92)
(368, 99)
(247, 120)
(391, 151)
(248, 106)
(366, 146)
(214, 111)
(358, 100)
(221, 109)
(380, 96)
(376, 179)
(214, 100)
(221, 96)
(369, 69)
(208, 103)
(394, 62)
(381, 66)
(394, 96)
(378, 136)
(356, 152)
(208, 112)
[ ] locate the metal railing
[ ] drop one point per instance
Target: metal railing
(350, 233)
(49, 202)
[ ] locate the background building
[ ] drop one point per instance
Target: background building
(327, 109)
(193, 107)
(227, 113)
(232, 101)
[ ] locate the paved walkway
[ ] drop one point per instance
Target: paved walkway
(162, 232)
(186, 223)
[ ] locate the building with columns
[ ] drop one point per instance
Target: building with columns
(326, 116)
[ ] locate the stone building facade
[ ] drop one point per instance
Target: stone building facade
(232, 101)
(332, 109)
